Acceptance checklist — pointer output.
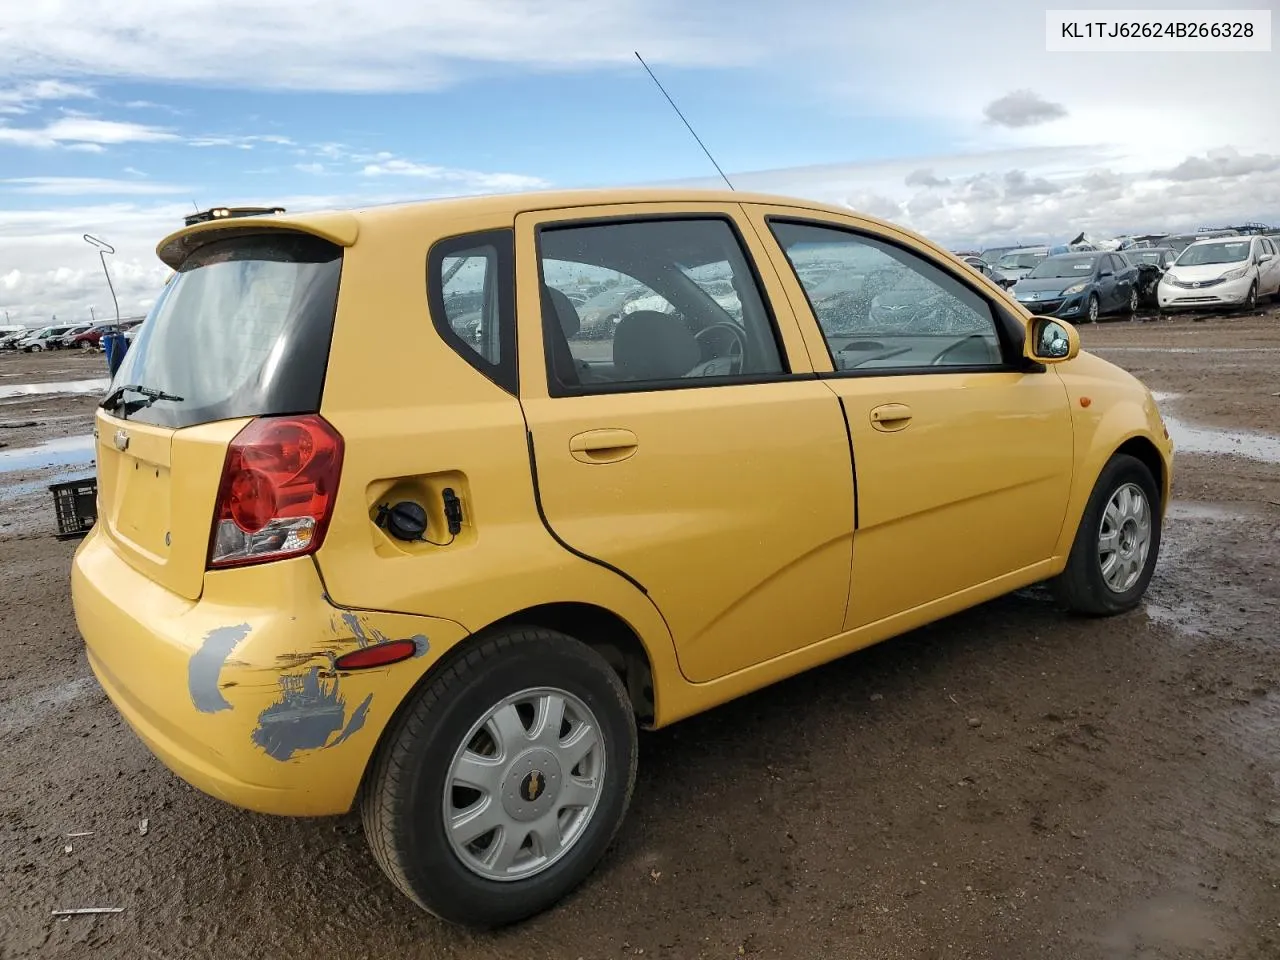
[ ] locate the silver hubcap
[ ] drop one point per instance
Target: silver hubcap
(1093, 309)
(1124, 538)
(1133, 300)
(524, 784)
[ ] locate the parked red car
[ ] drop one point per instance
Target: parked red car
(91, 339)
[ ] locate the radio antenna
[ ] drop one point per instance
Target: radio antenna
(686, 122)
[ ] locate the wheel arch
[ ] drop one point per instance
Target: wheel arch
(605, 632)
(1143, 450)
(598, 627)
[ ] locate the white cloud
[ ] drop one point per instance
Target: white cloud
(465, 180)
(1033, 194)
(26, 96)
(347, 45)
(88, 186)
(1225, 162)
(83, 130)
(315, 169)
(242, 142)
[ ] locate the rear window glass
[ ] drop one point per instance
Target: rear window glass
(242, 329)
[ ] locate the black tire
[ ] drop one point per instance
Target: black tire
(402, 800)
(1091, 310)
(1251, 301)
(1133, 301)
(1081, 587)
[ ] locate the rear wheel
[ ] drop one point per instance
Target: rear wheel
(1116, 544)
(504, 780)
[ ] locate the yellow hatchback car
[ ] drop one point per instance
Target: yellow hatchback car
(426, 508)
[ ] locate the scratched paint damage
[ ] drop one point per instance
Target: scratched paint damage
(310, 711)
(206, 664)
(363, 633)
(307, 714)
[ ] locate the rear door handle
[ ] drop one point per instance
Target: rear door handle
(603, 446)
(890, 417)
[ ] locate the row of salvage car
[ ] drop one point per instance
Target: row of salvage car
(1080, 282)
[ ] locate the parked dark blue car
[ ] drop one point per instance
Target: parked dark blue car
(1080, 286)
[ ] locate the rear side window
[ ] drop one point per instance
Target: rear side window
(471, 290)
(242, 329)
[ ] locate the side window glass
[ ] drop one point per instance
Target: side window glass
(470, 290)
(881, 307)
(667, 302)
(466, 284)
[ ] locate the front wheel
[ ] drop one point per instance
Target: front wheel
(505, 779)
(1117, 542)
(1251, 301)
(1091, 312)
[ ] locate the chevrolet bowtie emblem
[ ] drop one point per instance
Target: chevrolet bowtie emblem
(532, 786)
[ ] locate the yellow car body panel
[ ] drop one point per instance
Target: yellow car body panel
(227, 674)
(235, 692)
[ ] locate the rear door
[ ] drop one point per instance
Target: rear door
(677, 431)
(1126, 279)
(242, 330)
(1106, 282)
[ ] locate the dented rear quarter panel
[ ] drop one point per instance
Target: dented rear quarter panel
(236, 692)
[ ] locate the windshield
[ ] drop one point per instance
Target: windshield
(1063, 267)
(1013, 261)
(1200, 254)
(242, 330)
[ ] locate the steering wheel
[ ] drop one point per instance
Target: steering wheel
(736, 359)
(938, 360)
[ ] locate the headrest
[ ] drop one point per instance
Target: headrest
(648, 345)
(563, 309)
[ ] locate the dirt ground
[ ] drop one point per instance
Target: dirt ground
(1009, 783)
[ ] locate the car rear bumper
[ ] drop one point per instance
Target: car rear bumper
(235, 692)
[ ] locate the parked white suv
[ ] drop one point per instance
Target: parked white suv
(1222, 272)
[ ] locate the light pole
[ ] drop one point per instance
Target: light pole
(103, 249)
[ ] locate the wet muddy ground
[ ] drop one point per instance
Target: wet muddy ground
(1009, 783)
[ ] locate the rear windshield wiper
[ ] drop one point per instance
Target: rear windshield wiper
(151, 395)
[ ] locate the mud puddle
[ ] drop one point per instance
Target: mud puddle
(1190, 438)
(62, 452)
(96, 385)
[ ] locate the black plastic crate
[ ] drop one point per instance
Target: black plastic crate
(76, 504)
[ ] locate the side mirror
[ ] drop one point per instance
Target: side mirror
(1050, 340)
(1104, 272)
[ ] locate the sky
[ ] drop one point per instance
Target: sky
(949, 118)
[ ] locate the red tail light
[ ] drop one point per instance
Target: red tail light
(279, 481)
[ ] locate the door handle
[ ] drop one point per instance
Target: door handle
(890, 417)
(603, 446)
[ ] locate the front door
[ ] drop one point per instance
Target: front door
(962, 456)
(678, 433)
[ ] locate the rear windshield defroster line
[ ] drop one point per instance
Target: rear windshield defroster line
(243, 329)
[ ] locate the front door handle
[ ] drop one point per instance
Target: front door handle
(603, 446)
(890, 417)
